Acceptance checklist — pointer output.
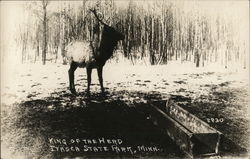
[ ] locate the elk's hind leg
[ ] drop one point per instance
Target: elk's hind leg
(73, 67)
(89, 71)
(99, 71)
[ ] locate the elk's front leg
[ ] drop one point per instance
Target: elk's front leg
(73, 67)
(99, 71)
(89, 70)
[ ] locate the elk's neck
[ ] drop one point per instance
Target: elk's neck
(106, 49)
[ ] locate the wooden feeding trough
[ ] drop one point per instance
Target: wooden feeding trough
(192, 135)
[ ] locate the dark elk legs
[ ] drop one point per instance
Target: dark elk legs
(73, 67)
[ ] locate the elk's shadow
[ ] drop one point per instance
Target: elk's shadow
(112, 116)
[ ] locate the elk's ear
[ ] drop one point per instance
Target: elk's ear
(98, 16)
(93, 10)
(118, 24)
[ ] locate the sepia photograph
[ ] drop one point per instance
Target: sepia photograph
(146, 79)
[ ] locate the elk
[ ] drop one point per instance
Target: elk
(81, 54)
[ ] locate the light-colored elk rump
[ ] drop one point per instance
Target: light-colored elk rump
(80, 54)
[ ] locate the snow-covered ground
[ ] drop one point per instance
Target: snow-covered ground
(35, 81)
(30, 81)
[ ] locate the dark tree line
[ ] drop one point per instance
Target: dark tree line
(159, 32)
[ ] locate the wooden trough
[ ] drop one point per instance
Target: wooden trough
(192, 135)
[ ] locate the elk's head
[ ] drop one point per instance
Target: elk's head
(109, 38)
(109, 31)
(112, 33)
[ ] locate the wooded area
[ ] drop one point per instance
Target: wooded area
(155, 31)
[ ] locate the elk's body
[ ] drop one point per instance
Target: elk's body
(81, 54)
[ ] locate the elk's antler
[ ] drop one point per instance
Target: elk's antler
(94, 12)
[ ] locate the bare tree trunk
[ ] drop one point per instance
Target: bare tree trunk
(37, 51)
(24, 47)
(245, 58)
(197, 58)
(152, 52)
(44, 3)
(226, 58)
